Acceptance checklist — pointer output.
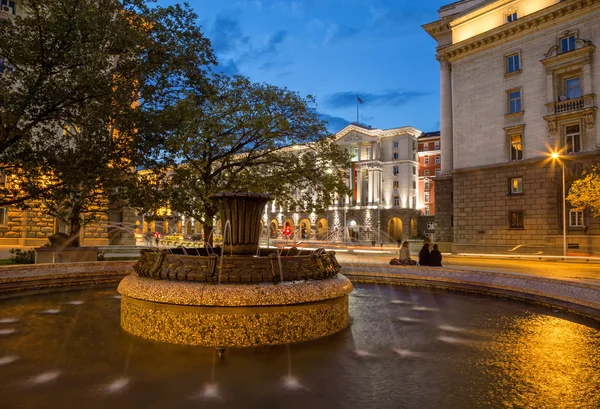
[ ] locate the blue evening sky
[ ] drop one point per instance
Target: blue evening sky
(334, 50)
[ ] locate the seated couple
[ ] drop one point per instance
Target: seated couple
(426, 258)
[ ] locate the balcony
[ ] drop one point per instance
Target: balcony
(584, 107)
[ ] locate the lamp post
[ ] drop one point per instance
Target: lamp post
(556, 157)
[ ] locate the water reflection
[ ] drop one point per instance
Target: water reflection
(546, 362)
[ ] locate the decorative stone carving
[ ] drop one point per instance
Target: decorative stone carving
(589, 120)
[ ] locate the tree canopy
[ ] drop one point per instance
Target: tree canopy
(585, 192)
(247, 136)
(84, 98)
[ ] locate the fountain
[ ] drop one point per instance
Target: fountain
(235, 298)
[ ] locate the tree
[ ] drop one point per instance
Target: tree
(585, 192)
(84, 100)
(252, 137)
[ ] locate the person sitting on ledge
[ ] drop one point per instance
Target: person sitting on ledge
(435, 257)
(405, 255)
(424, 255)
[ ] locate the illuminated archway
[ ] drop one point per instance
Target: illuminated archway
(304, 229)
(413, 228)
(322, 229)
(288, 229)
(274, 229)
(395, 229)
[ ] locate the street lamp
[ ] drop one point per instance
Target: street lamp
(555, 156)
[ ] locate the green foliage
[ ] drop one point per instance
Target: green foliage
(585, 192)
(86, 101)
(22, 256)
(247, 136)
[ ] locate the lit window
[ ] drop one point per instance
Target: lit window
(576, 218)
(437, 160)
(567, 44)
(516, 186)
(3, 216)
(516, 147)
(573, 88)
(426, 160)
(395, 144)
(572, 139)
(396, 184)
(516, 220)
(438, 172)
(512, 63)
(396, 170)
(514, 101)
(396, 200)
(426, 197)
(511, 17)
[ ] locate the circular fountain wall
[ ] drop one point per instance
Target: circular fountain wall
(235, 298)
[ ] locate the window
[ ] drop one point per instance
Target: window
(572, 139)
(396, 200)
(426, 160)
(3, 216)
(426, 185)
(430, 225)
(427, 212)
(395, 155)
(8, 6)
(516, 186)
(355, 155)
(512, 63)
(414, 202)
(516, 219)
(414, 170)
(396, 171)
(573, 88)
(426, 197)
(514, 101)
(438, 172)
(567, 44)
(437, 145)
(368, 152)
(437, 160)
(414, 184)
(511, 17)
(516, 147)
(426, 172)
(576, 218)
(396, 184)
(395, 144)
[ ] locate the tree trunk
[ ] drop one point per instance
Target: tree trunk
(74, 230)
(208, 228)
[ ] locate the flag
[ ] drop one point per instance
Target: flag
(360, 101)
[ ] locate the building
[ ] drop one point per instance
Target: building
(384, 183)
(518, 79)
(430, 165)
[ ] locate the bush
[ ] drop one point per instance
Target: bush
(22, 257)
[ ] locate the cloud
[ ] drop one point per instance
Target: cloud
(226, 35)
(334, 123)
(392, 98)
(273, 42)
(336, 33)
(228, 67)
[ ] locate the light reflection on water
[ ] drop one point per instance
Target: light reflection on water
(433, 349)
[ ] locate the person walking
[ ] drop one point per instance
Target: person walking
(424, 257)
(435, 257)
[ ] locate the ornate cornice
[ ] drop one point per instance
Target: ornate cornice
(378, 133)
(523, 26)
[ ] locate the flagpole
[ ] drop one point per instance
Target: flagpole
(356, 108)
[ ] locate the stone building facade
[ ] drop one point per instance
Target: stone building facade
(430, 165)
(518, 80)
(383, 205)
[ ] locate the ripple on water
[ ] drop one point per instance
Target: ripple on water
(76, 302)
(454, 340)
(7, 331)
(8, 320)
(419, 308)
(400, 302)
(43, 378)
(5, 360)
(116, 386)
(50, 311)
(405, 353)
(409, 319)
(364, 353)
(450, 328)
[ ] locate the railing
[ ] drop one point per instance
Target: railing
(570, 105)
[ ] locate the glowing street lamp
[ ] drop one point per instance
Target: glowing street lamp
(556, 157)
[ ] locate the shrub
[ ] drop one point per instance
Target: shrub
(22, 256)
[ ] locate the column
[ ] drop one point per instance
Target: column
(446, 117)
(371, 184)
(359, 187)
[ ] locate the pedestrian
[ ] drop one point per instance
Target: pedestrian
(405, 255)
(435, 257)
(381, 243)
(424, 255)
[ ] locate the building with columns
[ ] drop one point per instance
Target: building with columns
(383, 204)
(518, 79)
